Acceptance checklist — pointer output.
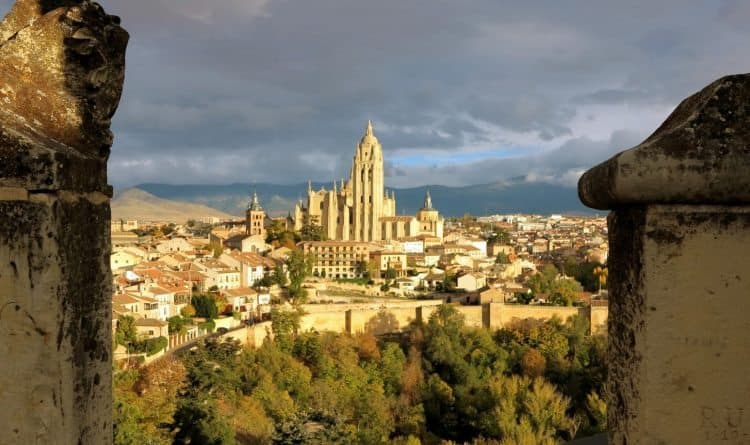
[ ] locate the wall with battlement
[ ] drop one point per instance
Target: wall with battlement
(501, 315)
(396, 319)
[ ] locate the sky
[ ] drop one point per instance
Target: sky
(460, 92)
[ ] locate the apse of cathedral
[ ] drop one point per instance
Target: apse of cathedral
(360, 209)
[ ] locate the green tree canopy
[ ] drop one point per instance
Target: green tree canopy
(299, 267)
(177, 325)
(502, 258)
(205, 306)
(126, 333)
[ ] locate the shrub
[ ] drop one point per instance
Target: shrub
(151, 345)
(208, 325)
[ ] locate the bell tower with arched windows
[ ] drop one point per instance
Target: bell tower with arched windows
(368, 189)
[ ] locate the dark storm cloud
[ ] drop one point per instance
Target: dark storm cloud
(562, 165)
(279, 90)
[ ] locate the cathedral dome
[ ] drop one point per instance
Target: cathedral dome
(369, 138)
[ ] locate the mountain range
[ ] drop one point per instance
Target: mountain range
(138, 204)
(514, 196)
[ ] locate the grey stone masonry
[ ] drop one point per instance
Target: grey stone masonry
(61, 75)
(679, 282)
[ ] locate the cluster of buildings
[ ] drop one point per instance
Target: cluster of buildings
(554, 235)
(484, 259)
(154, 280)
(365, 235)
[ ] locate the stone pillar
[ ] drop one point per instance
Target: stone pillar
(61, 65)
(679, 283)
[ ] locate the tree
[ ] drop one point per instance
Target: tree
(564, 291)
(127, 430)
(363, 269)
(205, 306)
(264, 282)
(448, 284)
(216, 249)
(168, 229)
(524, 297)
(391, 274)
(502, 258)
(311, 231)
(284, 325)
(584, 273)
(533, 363)
(597, 410)
(602, 273)
(279, 276)
(126, 333)
(467, 219)
(541, 282)
(278, 235)
(299, 267)
(177, 325)
(499, 236)
(188, 311)
(275, 232)
(525, 411)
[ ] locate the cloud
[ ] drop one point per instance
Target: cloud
(275, 90)
(563, 165)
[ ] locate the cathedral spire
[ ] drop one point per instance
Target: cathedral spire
(369, 128)
(309, 186)
(427, 200)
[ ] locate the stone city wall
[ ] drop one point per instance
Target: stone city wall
(501, 315)
(396, 319)
(490, 315)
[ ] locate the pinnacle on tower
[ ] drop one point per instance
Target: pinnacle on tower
(369, 128)
(428, 200)
(255, 203)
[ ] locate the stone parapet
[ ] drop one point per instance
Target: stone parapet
(679, 235)
(699, 155)
(61, 68)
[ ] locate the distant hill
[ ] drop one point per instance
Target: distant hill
(138, 204)
(515, 196)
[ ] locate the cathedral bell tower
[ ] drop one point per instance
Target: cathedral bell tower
(367, 180)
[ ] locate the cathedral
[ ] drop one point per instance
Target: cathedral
(360, 209)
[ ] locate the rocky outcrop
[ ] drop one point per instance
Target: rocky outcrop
(61, 76)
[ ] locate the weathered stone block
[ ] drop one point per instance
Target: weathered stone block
(61, 75)
(55, 304)
(678, 327)
(679, 316)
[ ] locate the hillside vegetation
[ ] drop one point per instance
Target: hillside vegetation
(535, 383)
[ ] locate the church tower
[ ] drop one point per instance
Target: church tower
(368, 196)
(255, 218)
(430, 222)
